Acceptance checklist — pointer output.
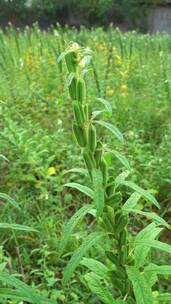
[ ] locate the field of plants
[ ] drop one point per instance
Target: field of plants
(85, 167)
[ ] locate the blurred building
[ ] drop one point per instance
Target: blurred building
(159, 19)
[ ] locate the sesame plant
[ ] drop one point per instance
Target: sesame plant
(126, 272)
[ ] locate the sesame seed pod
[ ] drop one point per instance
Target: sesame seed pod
(123, 237)
(112, 257)
(87, 112)
(121, 223)
(72, 88)
(117, 282)
(107, 223)
(78, 113)
(123, 255)
(92, 142)
(104, 169)
(111, 215)
(98, 157)
(80, 135)
(71, 61)
(110, 187)
(114, 200)
(98, 154)
(88, 162)
(81, 90)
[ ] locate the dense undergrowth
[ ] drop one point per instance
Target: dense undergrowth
(132, 72)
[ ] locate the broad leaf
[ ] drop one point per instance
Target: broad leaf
(151, 277)
(69, 227)
(17, 227)
(77, 170)
(70, 78)
(98, 191)
(148, 196)
(89, 192)
(158, 269)
(63, 54)
(120, 302)
(107, 104)
(142, 290)
(155, 244)
(121, 178)
(111, 128)
(10, 293)
(25, 290)
(141, 251)
(4, 158)
(164, 298)
(98, 288)
(88, 242)
(95, 266)
(96, 114)
(131, 202)
(11, 201)
(121, 158)
(151, 216)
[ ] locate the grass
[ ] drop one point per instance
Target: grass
(132, 72)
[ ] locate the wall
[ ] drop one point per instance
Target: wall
(160, 19)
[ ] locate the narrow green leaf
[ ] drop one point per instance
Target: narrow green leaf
(121, 178)
(11, 201)
(25, 290)
(142, 291)
(98, 288)
(96, 114)
(150, 215)
(4, 158)
(95, 266)
(158, 269)
(93, 212)
(107, 104)
(98, 191)
(143, 192)
(69, 227)
(77, 170)
(63, 54)
(121, 158)
(148, 233)
(111, 128)
(151, 277)
(70, 78)
(17, 227)
(155, 244)
(131, 202)
(164, 298)
(10, 293)
(88, 242)
(89, 192)
(120, 302)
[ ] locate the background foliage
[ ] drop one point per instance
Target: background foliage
(98, 12)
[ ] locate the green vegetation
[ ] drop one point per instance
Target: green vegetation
(129, 77)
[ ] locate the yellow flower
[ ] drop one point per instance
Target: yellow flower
(118, 59)
(37, 184)
(123, 73)
(114, 50)
(109, 92)
(123, 88)
(51, 171)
